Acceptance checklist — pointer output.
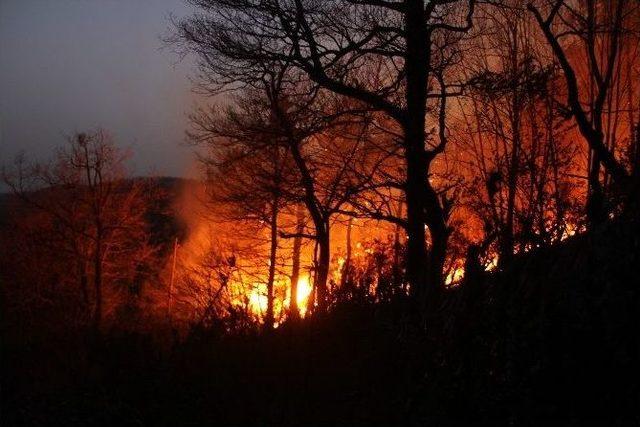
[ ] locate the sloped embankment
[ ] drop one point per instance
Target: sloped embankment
(557, 336)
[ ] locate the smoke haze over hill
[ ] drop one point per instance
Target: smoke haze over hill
(72, 65)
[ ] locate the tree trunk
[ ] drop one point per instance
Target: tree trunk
(596, 213)
(294, 310)
(507, 238)
(439, 232)
(635, 181)
(322, 273)
(346, 268)
(507, 241)
(273, 223)
(396, 251)
(416, 247)
(97, 281)
(84, 284)
(320, 220)
(417, 60)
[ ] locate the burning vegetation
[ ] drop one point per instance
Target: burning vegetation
(434, 181)
(324, 179)
(345, 163)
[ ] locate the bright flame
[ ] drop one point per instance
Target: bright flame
(258, 298)
(454, 276)
(304, 291)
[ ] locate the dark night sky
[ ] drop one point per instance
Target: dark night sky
(71, 65)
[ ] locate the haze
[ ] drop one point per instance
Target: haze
(72, 65)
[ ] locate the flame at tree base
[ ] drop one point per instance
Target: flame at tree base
(258, 300)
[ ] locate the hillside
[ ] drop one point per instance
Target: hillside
(554, 339)
(162, 215)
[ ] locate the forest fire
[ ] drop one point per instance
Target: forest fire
(258, 298)
(398, 212)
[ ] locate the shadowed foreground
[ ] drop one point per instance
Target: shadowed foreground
(555, 339)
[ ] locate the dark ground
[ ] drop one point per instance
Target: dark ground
(555, 340)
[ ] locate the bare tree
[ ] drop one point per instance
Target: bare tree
(317, 175)
(597, 27)
(86, 194)
(389, 56)
(514, 145)
(251, 179)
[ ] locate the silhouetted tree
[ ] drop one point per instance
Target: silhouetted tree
(597, 28)
(276, 112)
(389, 56)
(515, 147)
